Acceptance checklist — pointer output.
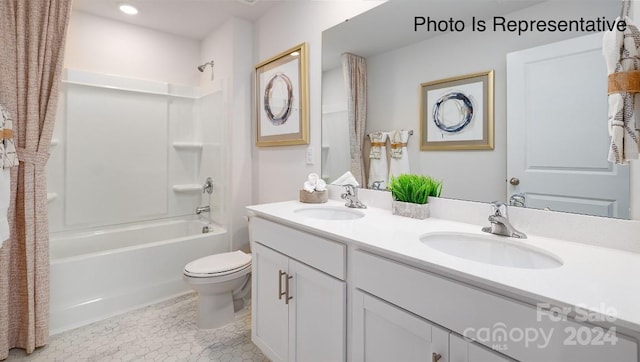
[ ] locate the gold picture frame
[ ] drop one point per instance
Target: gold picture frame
(457, 113)
(282, 99)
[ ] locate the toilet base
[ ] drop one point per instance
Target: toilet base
(215, 310)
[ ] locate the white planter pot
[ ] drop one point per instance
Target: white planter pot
(416, 211)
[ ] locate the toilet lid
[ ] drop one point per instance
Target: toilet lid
(218, 264)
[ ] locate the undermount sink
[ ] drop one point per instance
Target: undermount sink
(490, 249)
(329, 213)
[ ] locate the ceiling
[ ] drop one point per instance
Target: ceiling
(189, 18)
(391, 25)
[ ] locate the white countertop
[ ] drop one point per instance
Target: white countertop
(593, 278)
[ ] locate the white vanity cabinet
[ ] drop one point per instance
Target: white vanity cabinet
(384, 332)
(467, 310)
(461, 350)
(299, 294)
(397, 305)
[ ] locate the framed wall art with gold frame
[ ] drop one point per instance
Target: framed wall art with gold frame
(282, 99)
(457, 113)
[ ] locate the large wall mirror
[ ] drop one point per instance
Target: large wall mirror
(549, 95)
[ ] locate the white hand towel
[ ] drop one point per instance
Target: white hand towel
(8, 159)
(308, 187)
(346, 179)
(313, 178)
(378, 166)
(5, 187)
(399, 163)
(321, 185)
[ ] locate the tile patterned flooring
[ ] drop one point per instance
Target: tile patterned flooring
(162, 332)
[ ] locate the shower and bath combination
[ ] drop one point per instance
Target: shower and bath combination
(202, 67)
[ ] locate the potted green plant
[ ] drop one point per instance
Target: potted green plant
(411, 193)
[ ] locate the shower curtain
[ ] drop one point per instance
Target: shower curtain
(354, 68)
(32, 37)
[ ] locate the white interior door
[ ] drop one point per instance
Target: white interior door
(557, 130)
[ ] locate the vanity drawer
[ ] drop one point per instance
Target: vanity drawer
(325, 255)
(516, 329)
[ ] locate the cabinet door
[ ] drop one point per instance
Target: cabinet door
(462, 350)
(269, 322)
(384, 332)
(317, 323)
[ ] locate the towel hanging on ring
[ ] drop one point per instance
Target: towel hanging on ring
(621, 51)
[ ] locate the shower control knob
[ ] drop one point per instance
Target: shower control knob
(514, 181)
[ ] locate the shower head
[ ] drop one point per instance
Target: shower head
(203, 66)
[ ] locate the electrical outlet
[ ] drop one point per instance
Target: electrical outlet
(309, 156)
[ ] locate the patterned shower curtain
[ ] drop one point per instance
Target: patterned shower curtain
(32, 37)
(354, 68)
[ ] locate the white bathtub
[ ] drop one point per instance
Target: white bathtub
(98, 274)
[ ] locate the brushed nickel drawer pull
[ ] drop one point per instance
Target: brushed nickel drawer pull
(287, 297)
(280, 292)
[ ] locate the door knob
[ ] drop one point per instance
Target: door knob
(514, 181)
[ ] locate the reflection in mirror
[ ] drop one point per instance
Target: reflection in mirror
(400, 56)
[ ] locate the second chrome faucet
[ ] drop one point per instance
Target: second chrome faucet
(500, 224)
(351, 196)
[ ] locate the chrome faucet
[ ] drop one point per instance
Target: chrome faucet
(201, 209)
(378, 185)
(351, 195)
(500, 224)
(518, 200)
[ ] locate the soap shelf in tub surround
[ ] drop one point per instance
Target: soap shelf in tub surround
(51, 196)
(187, 188)
(437, 298)
(187, 146)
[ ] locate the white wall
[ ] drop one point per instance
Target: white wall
(394, 80)
(112, 47)
(279, 172)
(100, 47)
(230, 46)
(335, 125)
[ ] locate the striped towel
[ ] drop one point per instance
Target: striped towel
(621, 52)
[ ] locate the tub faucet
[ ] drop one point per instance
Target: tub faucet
(208, 186)
(351, 195)
(201, 209)
(500, 224)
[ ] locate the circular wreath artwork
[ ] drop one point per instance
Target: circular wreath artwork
(278, 89)
(463, 114)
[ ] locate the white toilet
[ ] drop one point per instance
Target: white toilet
(219, 279)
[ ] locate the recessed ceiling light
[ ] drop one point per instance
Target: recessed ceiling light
(128, 9)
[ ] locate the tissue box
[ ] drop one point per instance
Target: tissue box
(316, 197)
